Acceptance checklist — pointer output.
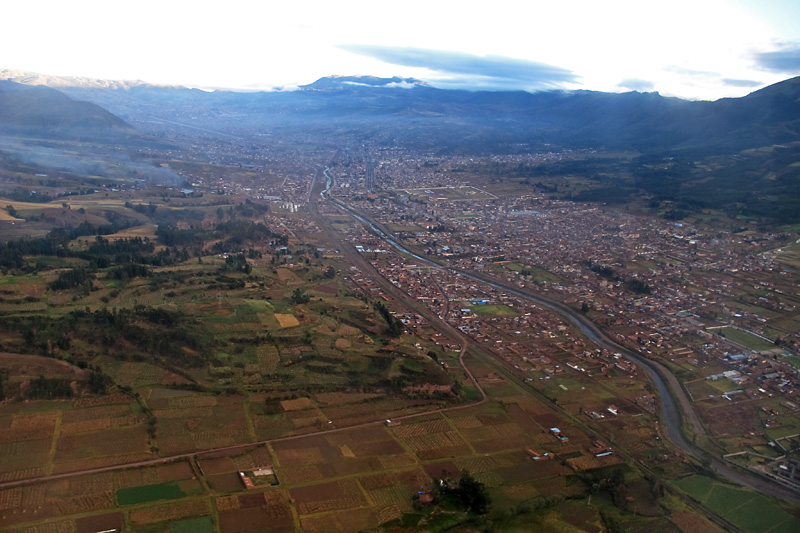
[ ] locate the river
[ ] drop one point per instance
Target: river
(668, 388)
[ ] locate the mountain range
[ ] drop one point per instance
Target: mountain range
(406, 111)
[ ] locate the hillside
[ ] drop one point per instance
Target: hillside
(43, 112)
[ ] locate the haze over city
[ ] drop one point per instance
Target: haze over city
(693, 50)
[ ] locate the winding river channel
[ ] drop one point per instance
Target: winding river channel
(675, 407)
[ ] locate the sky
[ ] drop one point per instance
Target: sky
(693, 49)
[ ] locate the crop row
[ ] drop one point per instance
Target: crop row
(434, 441)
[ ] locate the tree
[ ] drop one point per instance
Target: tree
(472, 494)
(617, 478)
(49, 389)
(98, 381)
(299, 296)
(394, 327)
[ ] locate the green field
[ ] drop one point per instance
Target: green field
(493, 310)
(790, 426)
(745, 509)
(149, 493)
(748, 340)
(793, 360)
(192, 525)
(697, 487)
(723, 385)
(472, 394)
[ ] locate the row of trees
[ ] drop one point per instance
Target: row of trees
(394, 326)
(140, 333)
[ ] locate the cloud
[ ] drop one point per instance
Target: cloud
(394, 85)
(401, 85)
(690, 72)
(784, 60)
(741, 83)
(635, 84)
(462, 69)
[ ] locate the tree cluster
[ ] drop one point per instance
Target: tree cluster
(49, 388)
(394, 327)
(472, 494)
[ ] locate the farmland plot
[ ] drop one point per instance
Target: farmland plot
(170, 511)
(24, 454)
(342, 521)
(256, 513)
(268, 358)
(103, 522)
(328, 496)
(437, 445)
(114, 442)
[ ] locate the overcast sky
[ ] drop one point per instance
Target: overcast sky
(698, 49)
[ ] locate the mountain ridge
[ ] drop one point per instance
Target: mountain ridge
(406, 110)
(43, 112)
(54, 81)
(738, 154)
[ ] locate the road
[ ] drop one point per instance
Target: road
(354, 257)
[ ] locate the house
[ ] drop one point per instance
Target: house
(425, 498)
(536, 456)
(248, 483)
(600, 448)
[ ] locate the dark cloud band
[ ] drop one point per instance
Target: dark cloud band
(741, 83)
(485, 71)
(785, 60)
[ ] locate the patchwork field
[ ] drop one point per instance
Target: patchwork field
(745, 509)
(332, 481)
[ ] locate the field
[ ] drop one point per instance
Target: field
(267, 331)
(149, 493)
(747, 510)
(493, 310)
(334, 481)
(202, 524)
(286, 320)
(534, 273)
(746, 339)
(268, 511)
(449, 193)
(791, 254)
(95, 498)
